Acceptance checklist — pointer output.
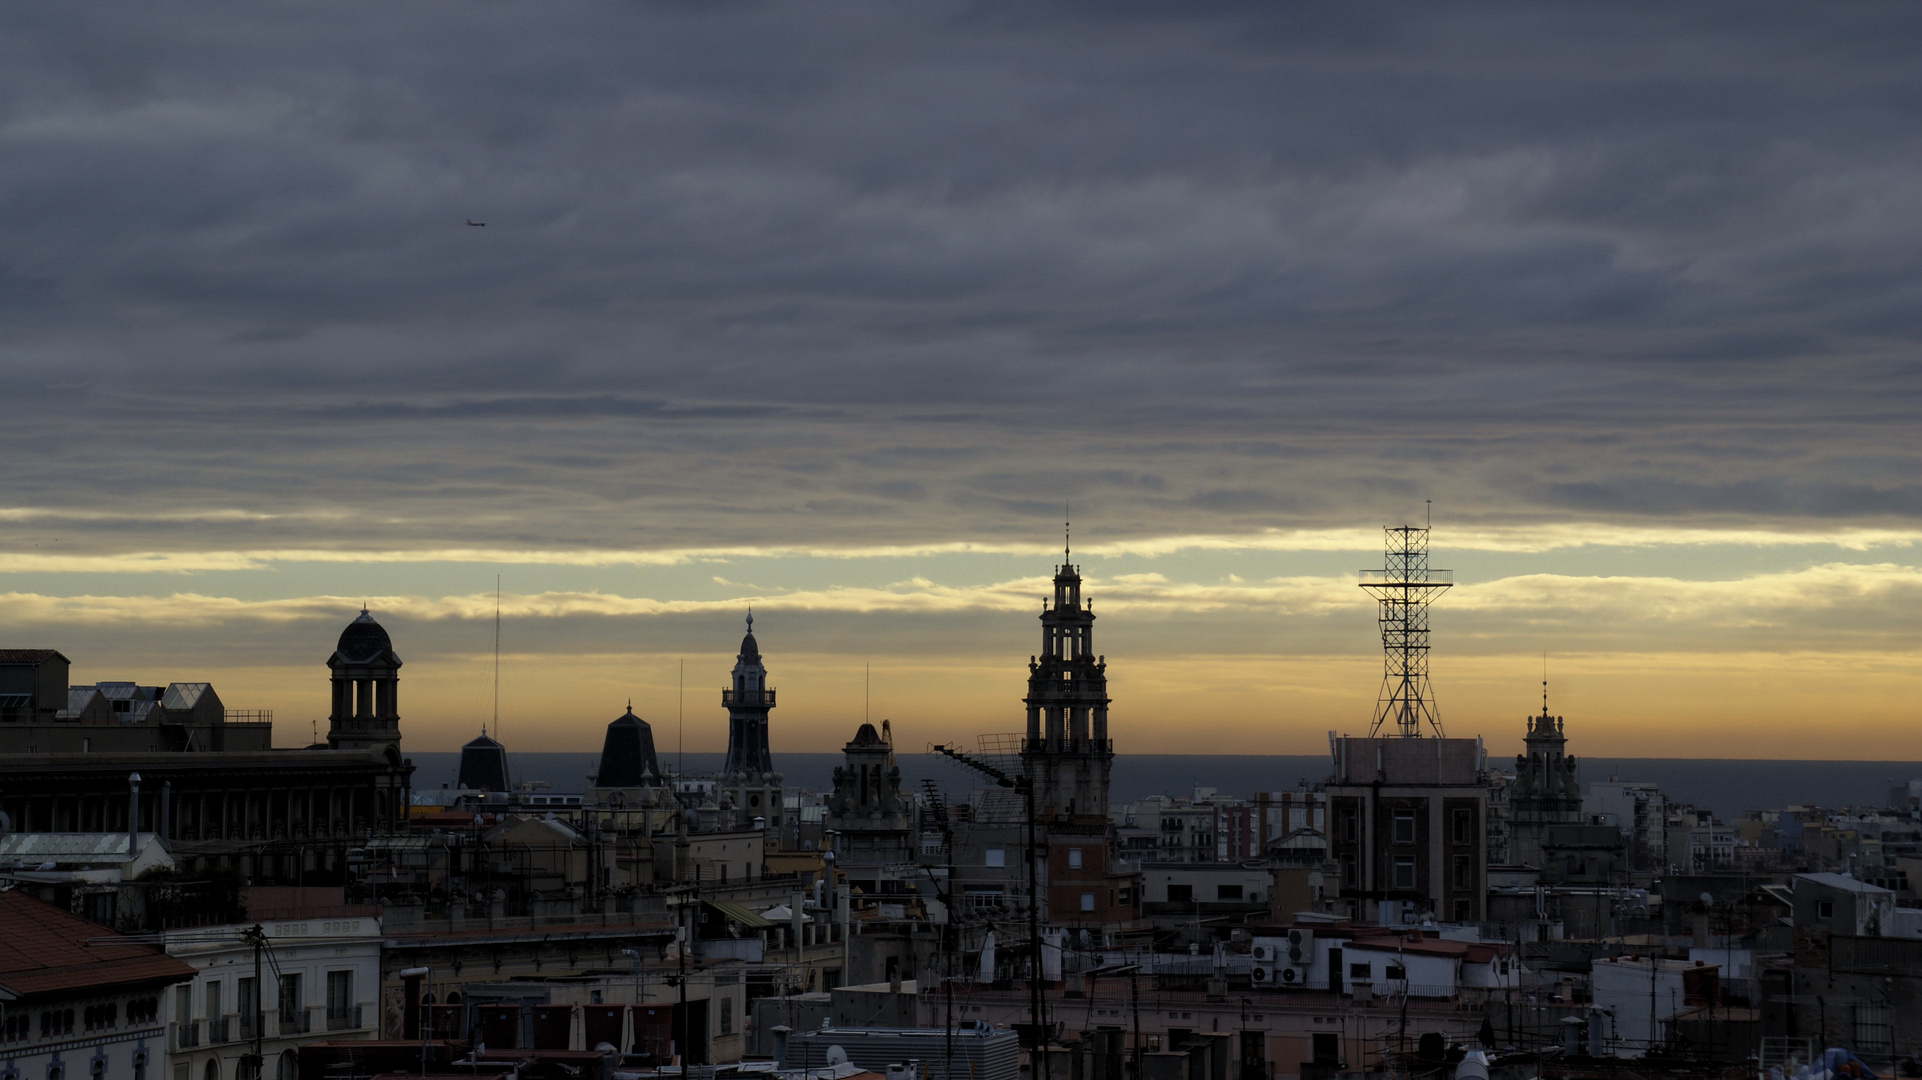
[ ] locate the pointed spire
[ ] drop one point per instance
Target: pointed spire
(1067, 531)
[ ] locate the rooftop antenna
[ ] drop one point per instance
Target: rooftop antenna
(1405, 587)
(497, 659)
(867, 689)
(1067, 531)
(1544, 682)
(680, 723)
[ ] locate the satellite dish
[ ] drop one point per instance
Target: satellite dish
(836, 1055)
(1708, 899)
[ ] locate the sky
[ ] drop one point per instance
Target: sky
(828, 309)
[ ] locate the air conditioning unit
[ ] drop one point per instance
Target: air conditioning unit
(1266, 950)
(1263, 975)
(1291, 976)
(1301, 948)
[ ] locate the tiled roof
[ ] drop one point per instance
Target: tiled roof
(44, 950)
(28, 656)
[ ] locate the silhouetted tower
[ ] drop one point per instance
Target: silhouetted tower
(366, 682)
(748, 777)
(868, 816)
(1405, 586)
(1067, 752)
(1545, 791)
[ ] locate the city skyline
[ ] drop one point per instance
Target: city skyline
(829, 312)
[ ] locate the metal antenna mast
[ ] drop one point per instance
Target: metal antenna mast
(497, 656)
(1405, 586)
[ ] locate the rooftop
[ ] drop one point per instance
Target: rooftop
(44, 950)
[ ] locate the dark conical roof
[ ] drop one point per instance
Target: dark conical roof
(627, 754)
(483, 765)
(750, 649)
(364, 639)
(867, 736)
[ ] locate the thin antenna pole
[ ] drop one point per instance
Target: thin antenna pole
(497, 656)
(867, 689)
(680, 724)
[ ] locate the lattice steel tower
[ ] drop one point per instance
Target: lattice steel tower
(1405, 586)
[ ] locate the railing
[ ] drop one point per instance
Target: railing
(343, 1021)
(295, 1023)
(1402, 577)
(250, 716)
(748, 697)
(186, 1034)
(218, 1030)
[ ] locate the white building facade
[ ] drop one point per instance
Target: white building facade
(309, 980)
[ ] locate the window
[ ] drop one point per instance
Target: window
(1087, 901)
(289, 1006)
(1464, 871)
(1404, 826)
(340, 996)
(727, 1015)
(1404, 872)
(996, 856)
(1180, 894)
(1227, 892)
(211, 998)
(1825, 909)
(99, 1069)
(1395, 973)
(1348, 823)
(1464, 910)
(1464, 826)
(1074, 858)
(247, 1002)
(140, 1066)
(1360, 971)
(1872, 1030)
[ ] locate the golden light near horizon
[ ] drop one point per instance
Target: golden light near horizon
(1266, 646)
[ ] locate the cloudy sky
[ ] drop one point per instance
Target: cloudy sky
(828, 308)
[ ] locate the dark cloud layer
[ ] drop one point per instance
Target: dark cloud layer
(757, 272)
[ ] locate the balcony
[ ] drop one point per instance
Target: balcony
(297, 1022)
(347, 1020)
(748, 697)
(218, 1031)
(186, 1034)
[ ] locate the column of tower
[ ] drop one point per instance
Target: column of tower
(1067, 751)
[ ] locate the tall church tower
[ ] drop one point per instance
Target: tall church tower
(1545, 791)
(748, 778)
(366, 685)
(1067, 753)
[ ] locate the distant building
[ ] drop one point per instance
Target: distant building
(176, 763)
(1407, 819)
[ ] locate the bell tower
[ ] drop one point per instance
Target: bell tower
(748, 776)
(366, 684)
(1067, 752)
(1545, 792)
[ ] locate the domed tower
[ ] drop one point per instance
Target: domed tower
(366, 679)
(867, 814)
(748, 775)
(1067, 750)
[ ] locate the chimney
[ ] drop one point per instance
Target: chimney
(133, 819)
